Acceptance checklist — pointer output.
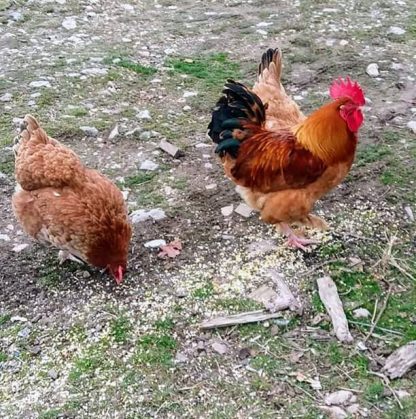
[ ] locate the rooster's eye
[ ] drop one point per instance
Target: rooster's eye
(342, 107)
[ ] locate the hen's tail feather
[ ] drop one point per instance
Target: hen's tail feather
(238, 106)
(30, 127)
(270, 67)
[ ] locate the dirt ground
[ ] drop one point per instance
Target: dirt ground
(74, 345)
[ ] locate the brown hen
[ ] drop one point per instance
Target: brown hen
(60, 202)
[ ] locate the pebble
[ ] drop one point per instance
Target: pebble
(145, 114)
(35, 350)
(140, 215)
(361, 313)
(244, 210)
(148, 165)
(16, 16)
(211, 186)
(7, 97)
(186, 108)
(89, 131)
(145, 135)
(396, 30)
(53, 374)
(19, 247)
(190, 94)
(94, 71)
(18, 319)
(69, 23)
(133, 132)
(409, 213)
(40, 83)
(220, 348)
(24, 333)
(412, 126)
(181, 292)
(4, 237)
(227, 211)
(153, 244)
(85, 274)
(181, 358)
(372, 70)
(114, 133)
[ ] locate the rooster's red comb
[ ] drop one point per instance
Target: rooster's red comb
(347, 88)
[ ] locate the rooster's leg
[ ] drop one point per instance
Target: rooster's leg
(64, 255)
(293, 240)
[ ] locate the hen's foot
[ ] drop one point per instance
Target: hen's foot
(64, 255)
(299, 242)
(295, 241)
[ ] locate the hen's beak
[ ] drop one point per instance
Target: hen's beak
(118, 275)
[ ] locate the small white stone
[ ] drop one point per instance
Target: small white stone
(343, 42)
(4, 237)
(396, 30)
(397, 66)
(372, 70)
(40, 83)
(69, 23)
(412, 126)
(94, 71)
(145, 114)
(186, 108)
(264, 24)
(114, 133)
(7, 97)
(261, 31)
(244, 210)
(148, 165)
(227, 211)
(89, 131)
(19, 247)
(152, 244)
(190, 94)
(220, 348)
(211, 186)
(361, 313)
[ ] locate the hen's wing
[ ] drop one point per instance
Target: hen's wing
(44, 162)
(282, 112)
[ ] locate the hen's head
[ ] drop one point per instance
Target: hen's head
(352, 100)
(110, 250)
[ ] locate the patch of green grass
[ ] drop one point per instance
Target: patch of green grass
(49, 275)
(267, 363)
(50, 414)
(120, 329)
(212, 69)
(77, 112)
(237, 304)
(361, 364)
(204, 292)
(155, 349)
(139, 178)
(78, 333)
(372, 153)
(131, 65)
(7, 164)
(47, 98)
(4, 318)
(3, 356)
(85, 366)
(331, 249)
(165, 325)
(374, 391)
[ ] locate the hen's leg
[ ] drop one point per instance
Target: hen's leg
(293, 240)
(64, 255)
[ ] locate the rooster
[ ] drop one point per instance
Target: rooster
(282, 161)
(60, 202)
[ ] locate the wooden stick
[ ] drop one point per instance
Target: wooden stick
(401, 360)
(330, 298)
(387, 383)
(380, 313)
(240, 318)
(383, 329)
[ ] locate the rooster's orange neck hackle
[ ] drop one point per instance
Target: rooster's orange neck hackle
(330, 132)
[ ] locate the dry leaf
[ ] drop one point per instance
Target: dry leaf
(171, 250)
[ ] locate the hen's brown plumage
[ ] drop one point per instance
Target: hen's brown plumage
(281, 161)
(61, 202)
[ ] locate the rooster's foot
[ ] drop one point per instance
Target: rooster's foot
(295, 241)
